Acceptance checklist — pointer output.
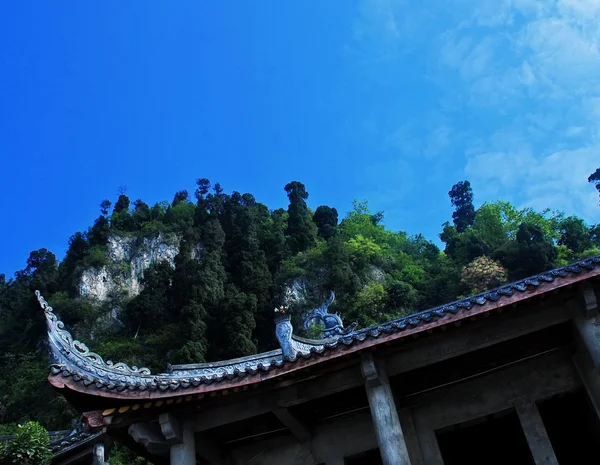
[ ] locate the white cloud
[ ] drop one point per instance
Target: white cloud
(558, 180)
(525, 74)
(550, 76)
(573, 131)
(587, 10)
(376, 30)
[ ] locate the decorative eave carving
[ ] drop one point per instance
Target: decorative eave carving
(72, 358)
(62, 345)
(334, 326)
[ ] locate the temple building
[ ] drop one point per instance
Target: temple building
(509, 375)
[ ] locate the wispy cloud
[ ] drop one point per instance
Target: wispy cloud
(552, 181)
(552, 148)
(519, 85)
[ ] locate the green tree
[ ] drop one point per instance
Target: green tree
(361, 221)
(121, 219)
(195, 345)
(531, 253)
(152, 307)
(369, 304)
(180, 196)
(246, 263)
(272, 239)
(23, 324)
(363, 251)
(301, 230)
(326, 219)
(238, 310)
(105, 207)
(490, 224)
(122, 204)
(401, 296)
(464, 247)
(594, 178)
(461, 197)
(341, 277)
(574, 234)
(141, 213)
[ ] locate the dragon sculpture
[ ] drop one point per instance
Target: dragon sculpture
(334, 327)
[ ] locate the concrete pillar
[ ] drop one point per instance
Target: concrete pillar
(388, 431)
(536, 434)
(98, 454)
(590, 379)
(185, 452)
(589, 334)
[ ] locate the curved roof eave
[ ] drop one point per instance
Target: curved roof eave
(76, 368)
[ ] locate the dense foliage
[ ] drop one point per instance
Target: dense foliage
(237, 260)
(30, 447)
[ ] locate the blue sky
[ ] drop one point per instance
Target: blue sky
(386, 100)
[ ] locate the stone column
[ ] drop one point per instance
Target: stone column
(589, 334)
(590, 379)
(388, 431)
(535, 432)
(185, 452)
(98, 454)
(585, 316)
(584, 310)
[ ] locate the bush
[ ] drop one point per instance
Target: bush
(30, 447)
(482, 274)
(120, 455)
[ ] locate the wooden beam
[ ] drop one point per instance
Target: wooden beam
(536, 434)
(481, 334)
(232, 412)
(293, 423)
(496, 391)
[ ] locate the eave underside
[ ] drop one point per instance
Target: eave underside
(524, 351)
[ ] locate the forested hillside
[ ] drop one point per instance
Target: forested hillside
(197, 278)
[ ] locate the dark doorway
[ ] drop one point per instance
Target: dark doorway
(572, 426)
(494, 440)
(370, 457)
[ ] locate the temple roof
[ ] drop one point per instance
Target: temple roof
(76, 368)
(74, 440)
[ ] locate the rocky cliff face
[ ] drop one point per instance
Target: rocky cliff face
(128, 257)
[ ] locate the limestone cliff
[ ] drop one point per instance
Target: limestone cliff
(128, 257)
